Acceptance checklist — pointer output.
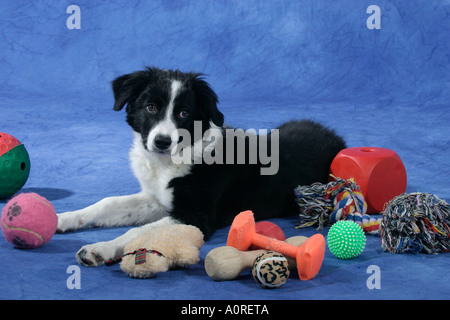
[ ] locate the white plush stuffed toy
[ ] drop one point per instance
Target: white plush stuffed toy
(161, 249)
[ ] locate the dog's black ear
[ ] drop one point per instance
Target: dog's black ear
(128, 86)
(207, 100)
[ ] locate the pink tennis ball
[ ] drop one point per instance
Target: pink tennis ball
(28, 221)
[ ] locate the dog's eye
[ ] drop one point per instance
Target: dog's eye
(183, 114)
(151, 108)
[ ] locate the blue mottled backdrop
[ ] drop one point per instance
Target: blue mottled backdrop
(269, 61)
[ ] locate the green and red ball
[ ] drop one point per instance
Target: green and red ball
(14, 165)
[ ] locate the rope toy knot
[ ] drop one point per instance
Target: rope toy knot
(321, 205)
(416, 223)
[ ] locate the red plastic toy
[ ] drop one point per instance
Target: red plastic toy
(379, 172)
(268, 229)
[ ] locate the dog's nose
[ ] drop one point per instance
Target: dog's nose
(163, 142)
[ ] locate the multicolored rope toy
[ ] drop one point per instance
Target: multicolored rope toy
(321, 205)
(416, 222)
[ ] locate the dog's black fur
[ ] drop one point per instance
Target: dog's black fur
(209, 196)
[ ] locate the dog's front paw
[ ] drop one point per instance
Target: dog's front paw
(71, 221)
(96, 254)
(67, 222)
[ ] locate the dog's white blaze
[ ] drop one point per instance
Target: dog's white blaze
(167, 125)
(175, 90)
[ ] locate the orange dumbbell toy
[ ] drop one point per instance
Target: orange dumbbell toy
(379, 172)
(309, 256)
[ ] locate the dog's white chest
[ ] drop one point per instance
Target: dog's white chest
(154, 172)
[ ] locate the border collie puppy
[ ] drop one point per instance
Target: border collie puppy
(174, 113)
